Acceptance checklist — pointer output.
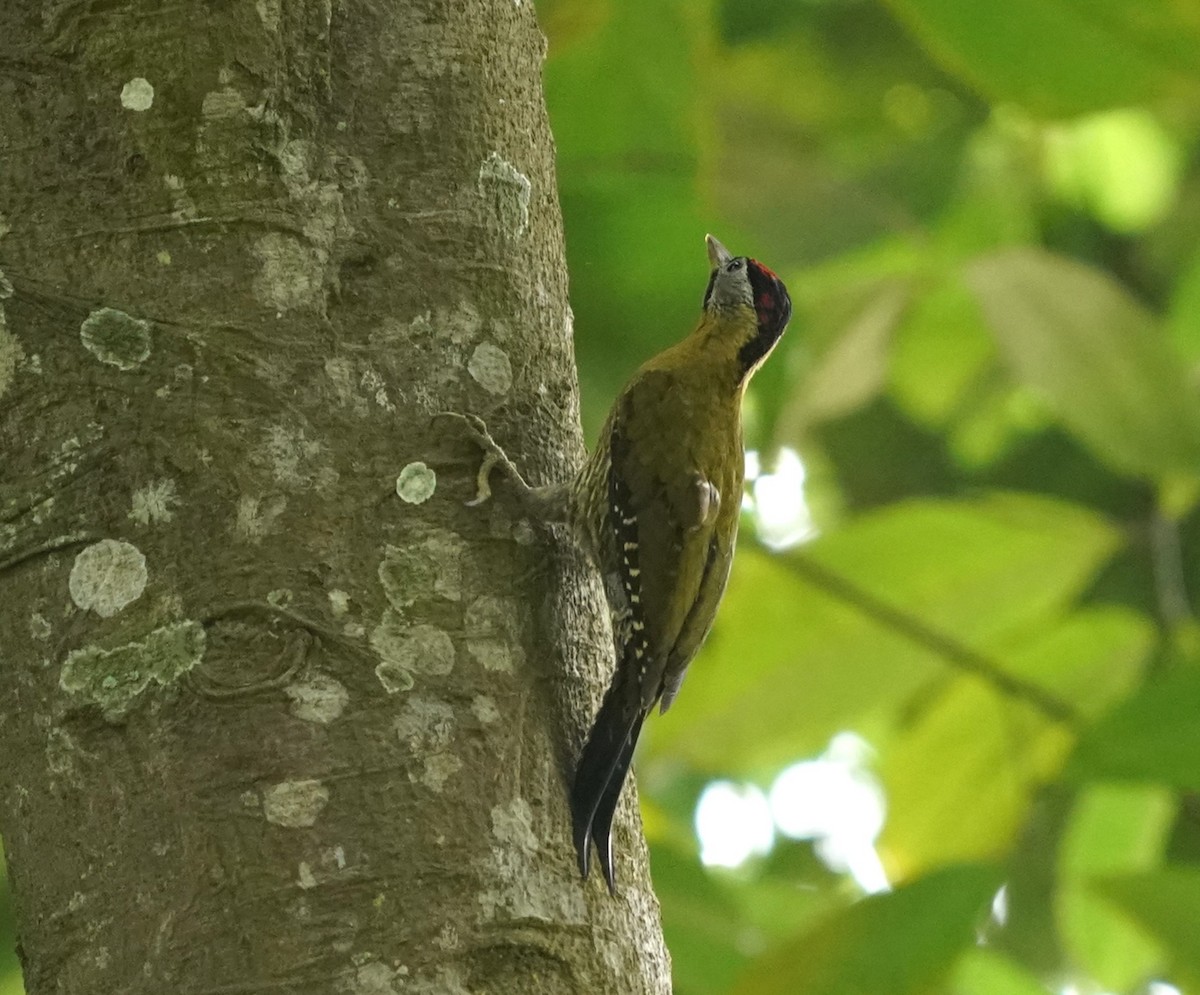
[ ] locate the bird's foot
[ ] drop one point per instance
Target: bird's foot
(493, 457)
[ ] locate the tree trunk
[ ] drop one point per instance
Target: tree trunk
(277, 712)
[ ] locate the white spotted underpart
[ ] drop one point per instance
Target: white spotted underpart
(633, 626)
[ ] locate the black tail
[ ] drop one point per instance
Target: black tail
(603, 819)
(601, 773)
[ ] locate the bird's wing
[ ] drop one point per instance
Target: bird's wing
(700, 618)
(672, 509)
(663, 521)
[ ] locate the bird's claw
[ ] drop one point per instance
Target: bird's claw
(477, 429)
(483, 486)
(493, 455)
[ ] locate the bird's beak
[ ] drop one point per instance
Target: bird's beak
(718, 255)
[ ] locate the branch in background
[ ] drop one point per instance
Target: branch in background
(1170, 583)
(951, 650)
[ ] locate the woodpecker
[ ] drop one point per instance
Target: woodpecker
(656, 507)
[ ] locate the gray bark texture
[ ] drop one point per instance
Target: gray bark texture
(277, 712)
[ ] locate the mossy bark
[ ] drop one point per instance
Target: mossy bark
(277, 712)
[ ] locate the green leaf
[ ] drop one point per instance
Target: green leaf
(1166, 903)
(10, 967)
(699, 923)
(1121, 166)
(1153, 736)
(635, 122)
(1183, 319)
(976, 568)
(1062, 56)
(1112, 829)
(960, 778)
(899, 943)
(10, 981)
(1091, 659)
(629, 317)
(786, 667)
(628, 155)
(853, 369)
(998, 196)
(835, 133)
(941, 353)
(986, 972)
(791, 889)
(1095, 356)
(792, 659)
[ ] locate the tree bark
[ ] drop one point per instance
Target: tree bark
(277, 712)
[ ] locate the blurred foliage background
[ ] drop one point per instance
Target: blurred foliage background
(958, 666)
(945, 737)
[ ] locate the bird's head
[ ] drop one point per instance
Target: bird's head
(739, 283)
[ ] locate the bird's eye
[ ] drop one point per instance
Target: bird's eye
(733, 266)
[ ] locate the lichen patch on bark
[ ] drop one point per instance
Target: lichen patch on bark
(137, 94)
(427, 727)
(317, 697)
(107, 576)
(292, 273)
(294, 460)
(406, 651)
(116, 338)
(11, 354)
(430, 568)
(492, 637)
(154, 503)
(507, 191)
(483, 707)
(416, 483)
(513, 824)
(113, 679)
(295, 804)
(489, 365)
(394, 677)
(257, 516)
